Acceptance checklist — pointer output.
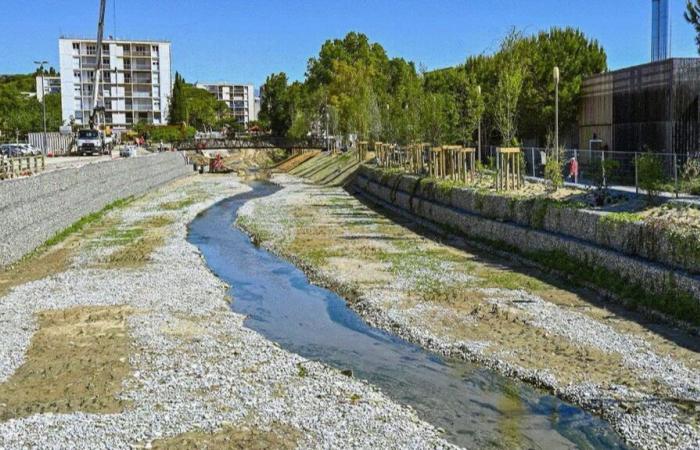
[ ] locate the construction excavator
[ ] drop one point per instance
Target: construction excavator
(93, 140)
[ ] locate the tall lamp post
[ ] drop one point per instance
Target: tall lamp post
(43, 99)
(478, 137)
(556, 112)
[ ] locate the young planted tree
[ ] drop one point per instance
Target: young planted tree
(510, 73)
(473, 107)
(505, 106)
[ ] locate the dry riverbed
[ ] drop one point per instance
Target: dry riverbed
(643, 377)
(120, 337)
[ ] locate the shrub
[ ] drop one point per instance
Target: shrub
(691, 170)
(600, 173)
(651, 175)
(553, 174)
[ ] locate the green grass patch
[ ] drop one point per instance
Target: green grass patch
(257, 232)
(508, 279)
(622, 217)
(84, 222)
(177, 204)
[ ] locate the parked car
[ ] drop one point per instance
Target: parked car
(30, 150)
(12, 150)
(128, 151)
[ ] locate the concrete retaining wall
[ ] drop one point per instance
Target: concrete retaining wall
(35, 208)
(485, 217)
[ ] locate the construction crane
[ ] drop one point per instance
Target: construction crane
(98, 68)
(93, 140)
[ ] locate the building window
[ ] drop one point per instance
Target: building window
(76, 46)
(91, 49)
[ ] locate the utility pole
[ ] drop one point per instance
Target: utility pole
(43, 101)
(556, 112)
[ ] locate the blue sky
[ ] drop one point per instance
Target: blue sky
(243, 41)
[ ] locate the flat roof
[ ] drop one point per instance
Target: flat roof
(223, 83)
(649, 64)
(116, 41)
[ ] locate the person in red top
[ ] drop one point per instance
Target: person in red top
(573, 169)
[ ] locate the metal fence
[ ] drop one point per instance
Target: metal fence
(586, 168)
(57, 144)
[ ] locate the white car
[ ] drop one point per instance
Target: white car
(30, 150)
(128, 151)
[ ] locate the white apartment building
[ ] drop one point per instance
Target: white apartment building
(239, 97)
(136, 81)
(51, 85)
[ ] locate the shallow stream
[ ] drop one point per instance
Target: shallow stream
(476, 407)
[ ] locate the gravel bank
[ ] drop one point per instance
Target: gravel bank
(657, 408)
(194, 365)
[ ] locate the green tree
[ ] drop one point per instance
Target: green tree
(178, 103)
(203, 109)
(692, 16)
(437, 115)
(401, 120)
(472, 107)
(351, 93)
(21, 113)
(195, 106)
(577, 58)
(275, 106)
(506, 96)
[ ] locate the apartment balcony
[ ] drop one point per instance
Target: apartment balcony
(139, 107)
(141, 94)
(141, 80)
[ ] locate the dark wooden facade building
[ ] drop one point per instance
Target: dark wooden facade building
(653, 106)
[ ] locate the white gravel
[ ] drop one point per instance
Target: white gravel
(224, 374)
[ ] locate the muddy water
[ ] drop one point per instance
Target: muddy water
(476, 407)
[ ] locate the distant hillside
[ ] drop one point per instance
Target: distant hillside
(20, 113)
(24, 82)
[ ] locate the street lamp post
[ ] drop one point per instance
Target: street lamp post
(43, 101)
(556, 112)
(478, 137)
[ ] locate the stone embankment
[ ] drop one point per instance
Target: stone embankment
(598, 246)
(33, 209)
